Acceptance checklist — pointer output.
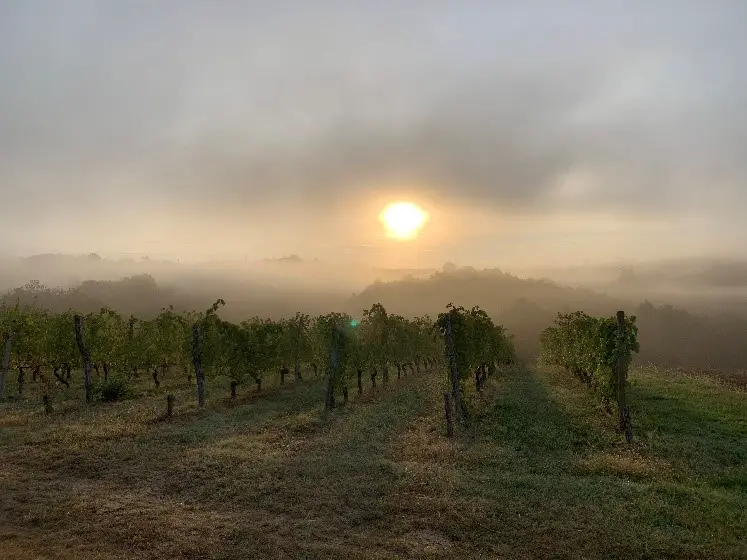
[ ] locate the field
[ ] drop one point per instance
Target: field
(539, 473)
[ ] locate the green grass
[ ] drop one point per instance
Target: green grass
(540, 472)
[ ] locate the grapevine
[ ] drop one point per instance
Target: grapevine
(589, 348)
(473, 343)
(339, 346)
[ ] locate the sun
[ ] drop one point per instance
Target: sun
(403, 220)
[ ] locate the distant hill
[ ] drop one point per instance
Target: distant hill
(524, 306)
(668, 335)
(492, 289)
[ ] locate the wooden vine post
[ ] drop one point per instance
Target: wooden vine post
(447, 410)
(47, 404)
(6, 363)
(329, 399)
(21, 380)
(197, 362)
(169, 405)
(86, 358)
(621, 371)
(454, 369)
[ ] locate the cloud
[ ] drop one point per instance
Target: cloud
(511, 141)
(239, 109)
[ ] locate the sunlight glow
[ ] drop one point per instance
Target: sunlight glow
(403, 220)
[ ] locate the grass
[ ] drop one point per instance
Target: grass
(540, 472)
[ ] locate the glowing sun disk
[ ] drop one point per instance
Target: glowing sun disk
(403, 220)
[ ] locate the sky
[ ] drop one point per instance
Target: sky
(531, 132)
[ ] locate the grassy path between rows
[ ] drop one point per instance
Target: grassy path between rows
(540, 473)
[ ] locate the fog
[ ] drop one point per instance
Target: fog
(698, 284)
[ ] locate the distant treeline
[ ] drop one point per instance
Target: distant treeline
(668, 336)
(142, 296)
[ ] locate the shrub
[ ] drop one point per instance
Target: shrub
(115, 388)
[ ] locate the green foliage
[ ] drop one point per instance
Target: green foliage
(477, 340)
(263, 338)
(296, 344)
(472, 341)
(335, 344)
(227, 348)
(375, 334)
(339, 345)
(116, 388)
(589, 347)
(106, 337)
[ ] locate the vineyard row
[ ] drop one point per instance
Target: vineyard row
(51, 345)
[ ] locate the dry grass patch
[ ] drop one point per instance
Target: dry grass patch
(626, 463)
(12, 419)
